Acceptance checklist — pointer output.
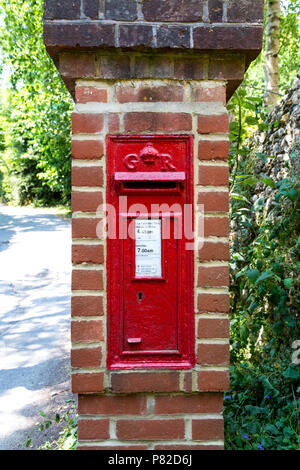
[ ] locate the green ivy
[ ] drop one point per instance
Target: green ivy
(262, 409)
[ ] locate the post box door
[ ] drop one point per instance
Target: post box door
(149, 268)
(151, 289)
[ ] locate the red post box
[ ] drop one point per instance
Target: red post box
(150, 260)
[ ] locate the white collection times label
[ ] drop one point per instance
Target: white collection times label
(148, 248)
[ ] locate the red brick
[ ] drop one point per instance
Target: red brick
(78, 35)
(173, 36)
(222, 37)
(176, 10)
(213, 328)
(153, 67)
(87, 176)
(87, 149)
(213, 354)
(84, 228)
(213, 276)
(130, 94)
(215, 94)
(145, 382)
(216, 227)
(232, 68)
(86, 201)
(213, 175)
(87, 123)
(207, 429)
(215, 303)
(87, 279)
(184, 404)
(150, 429)
(215, 8)
(188, 447)
(91, 8)
(245, 11)
(112, 405)
(66, 9)
(132, 35)
(214, 201)
(87, 306)
(214, 251)
(213, 150)
(86, 357)
(88, 254)
(153, 122)
(89, 94)
(213, 380)
(213, 124)
(189, 69)
(125, 10)
(114, 67)
(88, 383)
(113, 123)
(93, 429)
(77, 65)
(87, 331)
(188, 382)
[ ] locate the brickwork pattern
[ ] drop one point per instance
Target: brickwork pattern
(137, 65)
(148, 421)
(226, 25)
(161, 409)
(171, 11)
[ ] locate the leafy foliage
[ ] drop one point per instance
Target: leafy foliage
(37, 108)
(289, 54)
(67, 436)
(261, 410)
(262, 407)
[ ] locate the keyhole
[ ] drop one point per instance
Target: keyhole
(140, 295)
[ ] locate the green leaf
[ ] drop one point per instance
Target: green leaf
(252, 121)
(262, 156)
(288, 282)
(265, 275)
(244, 332)
(292, 194)
(253, 306)
(268, 182)
(251, 181)
(291, 373)
(42, 414)
(271, 428)
(252, 274)
(256, 410)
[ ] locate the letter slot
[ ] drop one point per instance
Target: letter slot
(150, 261)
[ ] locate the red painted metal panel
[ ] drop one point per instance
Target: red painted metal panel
(149, 268)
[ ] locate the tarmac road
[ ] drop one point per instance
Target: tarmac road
(35, 267)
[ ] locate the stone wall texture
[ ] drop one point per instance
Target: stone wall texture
(281, 141)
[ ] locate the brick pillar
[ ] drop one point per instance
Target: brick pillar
(132, 92)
